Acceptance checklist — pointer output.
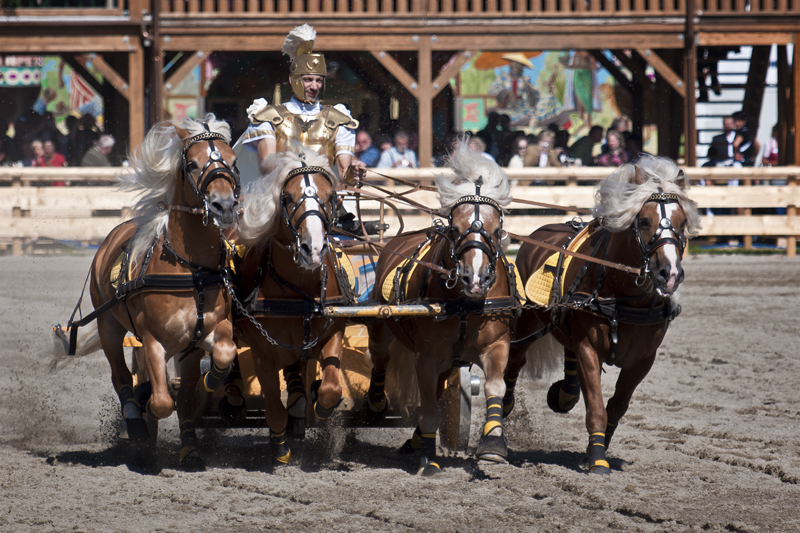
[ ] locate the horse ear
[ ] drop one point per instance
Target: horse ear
(681, 179)
(182, 133)
(638, 177)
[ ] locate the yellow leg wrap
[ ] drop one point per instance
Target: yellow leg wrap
(285, 459)
(601, 463)
(436, 465)
(428, 435)
(490, 425)
(565, 398)
(186, 450)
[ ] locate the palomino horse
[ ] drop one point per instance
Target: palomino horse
(461, 265)
(288, 276)
(643, 217)
(160, 275)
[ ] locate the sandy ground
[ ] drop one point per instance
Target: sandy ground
(710, 442)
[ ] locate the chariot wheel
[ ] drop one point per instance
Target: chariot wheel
(456, 409)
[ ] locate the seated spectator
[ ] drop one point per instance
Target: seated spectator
(399, 155)
(615, 155)
(542, 153)
(365, 151)
(745, 145)
(476, 144)
(770, 156)
(723, 143)
(51, 157)
(518, 159)
(583, 148)
(97, 156)
(634, 147)
(87, 134)
(36, 158)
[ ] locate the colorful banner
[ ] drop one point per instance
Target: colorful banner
(20, 76)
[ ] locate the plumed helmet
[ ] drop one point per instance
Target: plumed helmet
(298, 46)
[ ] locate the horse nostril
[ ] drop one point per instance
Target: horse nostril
(305, 250)
(216, 206)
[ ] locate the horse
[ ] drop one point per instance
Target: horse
(601, 315)
(289, 273)
(463, 266)
(161, 274)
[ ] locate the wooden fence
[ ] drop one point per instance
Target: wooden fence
(33, 208)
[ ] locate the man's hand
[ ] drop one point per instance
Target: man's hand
(358, 171)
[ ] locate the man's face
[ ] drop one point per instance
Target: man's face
(401, 143)
(728, 124)
(363, 141)
(312, 86)
(516, 69)
(49, 148)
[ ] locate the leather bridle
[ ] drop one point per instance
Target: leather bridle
(309, 193)
(678, 238)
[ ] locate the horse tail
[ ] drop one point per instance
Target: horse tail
(543, 357)
(401, 380)
(88, 342)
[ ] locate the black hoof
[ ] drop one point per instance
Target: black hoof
(231, 414)
(134, 430)
(192, 462)
(553, 399)
(407, 448)
(428, 468)
(600, 470)
(492, 449)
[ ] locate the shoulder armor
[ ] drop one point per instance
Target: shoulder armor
(335, 118)
(274, 114)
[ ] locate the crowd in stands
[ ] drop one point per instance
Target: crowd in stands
(38, 142)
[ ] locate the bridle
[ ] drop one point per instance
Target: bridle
(310, 192)
(678, 238)
(485, 243)
(231, 173)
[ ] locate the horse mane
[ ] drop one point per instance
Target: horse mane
(155, 163)
(261, 198)
(619, 199)
(468, 166)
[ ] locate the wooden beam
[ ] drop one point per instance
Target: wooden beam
(785, 111)
(38, 44)
(690, 78)
(736, 38)
(451, 71)
(185, 69)
(78, 65)
(396, 70)
(660, 66)
(136, 98)
(425, 104)
(796, 98)
(754, 89)
(612, 69)
(636, 70)
(108, 73)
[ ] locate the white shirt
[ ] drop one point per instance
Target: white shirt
(391, 156)
(345, 138)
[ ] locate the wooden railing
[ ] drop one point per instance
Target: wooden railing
(87, 209)
(131, 9)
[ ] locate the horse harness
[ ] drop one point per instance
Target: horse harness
(200, 277)
(613, 309)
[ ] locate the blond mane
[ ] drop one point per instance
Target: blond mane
(468, 166)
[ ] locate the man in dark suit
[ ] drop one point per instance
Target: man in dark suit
(745, 145)
(721, 147)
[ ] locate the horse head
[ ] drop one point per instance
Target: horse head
(210, 177)
(476, 233)
(308, 201)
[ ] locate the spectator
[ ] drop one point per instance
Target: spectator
(583, 148)
(770, 156)
(745, 145)
(542, 153)
(36, 158)
(634, 147)
(365, 151)
(97, 156)
(87, 134)
(518, 159)
(51, 157)
(722, 145)
(476, 144)
(399, 155)
(616, 155)
(383, 142)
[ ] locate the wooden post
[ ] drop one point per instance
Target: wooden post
(690, 76)
(791, 211)
(425, 103)
(748, 239)
(16, 242)
(157, 72)
(795, 98)
(785, 144)
(136, 95)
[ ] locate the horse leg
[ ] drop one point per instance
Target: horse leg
(296, 400)
(589, 368)
(492, 446)
(160, 405)
(329, 393)
(427, 377)
(564, 394)
(629, 378)
(221, 358)
(111, 334)
(516, 361)
(275, 414)
(191, 400)
(380, 337)
(232, 408)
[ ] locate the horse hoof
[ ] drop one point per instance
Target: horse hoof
(554, 399)
(600, 470)
(231, 414)
(428, 468)
(491, 448)
(407, 448)
(134, 430)
(192, 462)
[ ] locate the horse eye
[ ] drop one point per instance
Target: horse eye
(644, 223)
(191, 166)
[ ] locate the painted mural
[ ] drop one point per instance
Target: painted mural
(536, 89)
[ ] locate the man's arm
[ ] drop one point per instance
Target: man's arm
(266, 147)
(357, 169)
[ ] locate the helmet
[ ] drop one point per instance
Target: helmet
(298, 46)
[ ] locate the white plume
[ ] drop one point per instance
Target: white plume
(296, 37)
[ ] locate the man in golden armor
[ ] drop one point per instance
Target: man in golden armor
(329, 129)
